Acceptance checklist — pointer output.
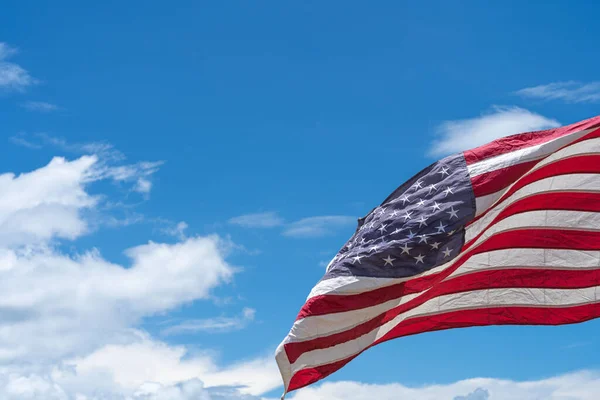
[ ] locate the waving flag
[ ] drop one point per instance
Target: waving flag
(506, 233)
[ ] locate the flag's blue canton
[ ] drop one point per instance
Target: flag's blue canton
(418, 227)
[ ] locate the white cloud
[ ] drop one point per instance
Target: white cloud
(258, 220)
(76, 303)
(45, 203)
(52, 202)
(12, 76)
(212, 325)
(137, 366)
(141, 371)
(318, 226)
(459, 135)
(40, 106)
(570, 91)
(584, 385)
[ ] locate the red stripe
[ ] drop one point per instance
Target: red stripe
(494, 181)
(530, 238)
(491, 279)
(461, 319)
(523, 140)
(575, 201)
(574, 165)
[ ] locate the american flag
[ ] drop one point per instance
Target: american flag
(506, 233)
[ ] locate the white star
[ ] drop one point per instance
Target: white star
(432, 187)
(382, 228)
(448, 191)
(418, 185)
(420, 202)
(447, 252)
(423, 238)
(435, 245)
(406, 249)
(452, 212)
(422, 221)
(381, 211)
(407, 215)
(357, 258)
(372, 225)
(444, 171)
(394, 213)
(441, 227)
(363, 240)
(410, 235)
(388, 260)
(419, 258)
(435, 206)
(404, 199)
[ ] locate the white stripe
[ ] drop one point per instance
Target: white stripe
(580, 220)
(590, 146)
(348, 285)
(284, 366)
(585, 147)
(482, 203)
(524, 155)
(324, 325)
(561, 183)
(529, 258)
(468, 300)
(327, 324)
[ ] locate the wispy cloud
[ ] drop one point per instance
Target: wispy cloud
(258, 220)
(105, 150)
(12, 76)
(41, 139)
(318, 226)
(576, 345)
(175, 230)
(21, 140)
(570, 91)
(304, 228)
(109, 163)
(463, 134)
(40, 106)
(212, 325)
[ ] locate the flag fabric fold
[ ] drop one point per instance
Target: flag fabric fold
(506, 233)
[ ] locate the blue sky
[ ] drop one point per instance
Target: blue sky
(215, 156)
